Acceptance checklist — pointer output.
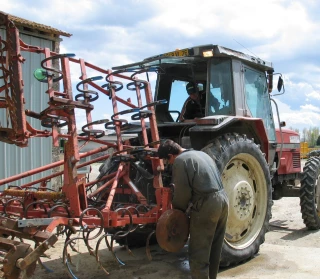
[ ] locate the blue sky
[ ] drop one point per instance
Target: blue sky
(111, 33)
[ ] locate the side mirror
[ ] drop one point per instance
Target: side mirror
(280, 83)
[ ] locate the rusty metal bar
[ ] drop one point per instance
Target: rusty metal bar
(143, 122)
(29, 173)
(113, 190)
(115, 111)
(102, 187)
(34, 255)
(46, 178)
(106, 92)
(85, 87)
(50, 166)
(35, 194)
(16, 83)
(66, 101)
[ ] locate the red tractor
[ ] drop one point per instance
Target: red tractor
(288, 181)
(257, 162)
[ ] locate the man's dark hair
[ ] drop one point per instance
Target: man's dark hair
(191, 88)
(168, 147)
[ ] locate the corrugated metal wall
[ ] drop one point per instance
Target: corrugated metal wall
(15, 160)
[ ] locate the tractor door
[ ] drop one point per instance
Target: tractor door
(258, 105)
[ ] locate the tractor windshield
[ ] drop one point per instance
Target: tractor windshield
(220, 99)
(257, 99)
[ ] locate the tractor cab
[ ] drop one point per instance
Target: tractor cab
(233, 87)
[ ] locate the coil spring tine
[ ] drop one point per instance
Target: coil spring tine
(99, 214)
(128, 249)
(138, 215)
(112, 241)
(146, 210)
(125, 233)
(2, 212)
(62, 205)
(53, 69)
(94, 132)
(148, 246)
(43, 266)
(86, 93)
(66, 257)
(86, 231)
(86, 242)
(97, 251)
(10, 201)
(41, 203)
(65, 207)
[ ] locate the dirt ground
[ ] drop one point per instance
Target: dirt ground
(290, 251)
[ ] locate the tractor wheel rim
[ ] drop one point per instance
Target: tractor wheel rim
(246, 186)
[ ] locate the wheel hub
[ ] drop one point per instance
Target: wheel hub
(243, 200)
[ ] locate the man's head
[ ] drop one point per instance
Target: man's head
(192, 90)
(169, 150)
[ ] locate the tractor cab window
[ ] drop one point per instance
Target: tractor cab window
(179, 95)
(221, 97)
(257, 99)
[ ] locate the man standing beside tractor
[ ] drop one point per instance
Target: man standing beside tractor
(198, 184)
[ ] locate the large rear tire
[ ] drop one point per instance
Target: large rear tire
(246, 179)
(309, 193)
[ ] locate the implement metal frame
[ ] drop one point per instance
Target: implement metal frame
(34, 200)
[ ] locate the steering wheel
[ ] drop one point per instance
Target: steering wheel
(175, 111)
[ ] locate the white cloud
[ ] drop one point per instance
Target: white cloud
(305, 117)
(310, 108)
(110, 33)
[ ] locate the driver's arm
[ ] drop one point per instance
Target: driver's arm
(185, 111)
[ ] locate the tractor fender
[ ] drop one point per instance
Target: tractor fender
(211, 127)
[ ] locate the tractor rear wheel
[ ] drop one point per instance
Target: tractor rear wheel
(309, 193)
(246, 180)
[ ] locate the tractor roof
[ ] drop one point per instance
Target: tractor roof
(189, 55)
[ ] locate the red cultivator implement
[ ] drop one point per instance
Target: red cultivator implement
(125, 200)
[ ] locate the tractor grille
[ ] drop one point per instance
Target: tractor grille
(296, 160)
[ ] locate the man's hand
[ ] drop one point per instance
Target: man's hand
(189, 209)
(172, 187)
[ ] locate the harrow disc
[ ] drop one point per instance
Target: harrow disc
(172, 230)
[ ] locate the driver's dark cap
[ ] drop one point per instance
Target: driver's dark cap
(191, 88)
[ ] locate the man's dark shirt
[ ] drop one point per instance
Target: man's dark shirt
(193, 109)
(194, 173)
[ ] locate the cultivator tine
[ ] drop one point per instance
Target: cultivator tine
(86, 242)
(86, 231)
(112, 251)
(110, 247)
(128, 249)
(67, 261)
(72, 245)
(148, 252)
(97, 251)
(43, 266)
